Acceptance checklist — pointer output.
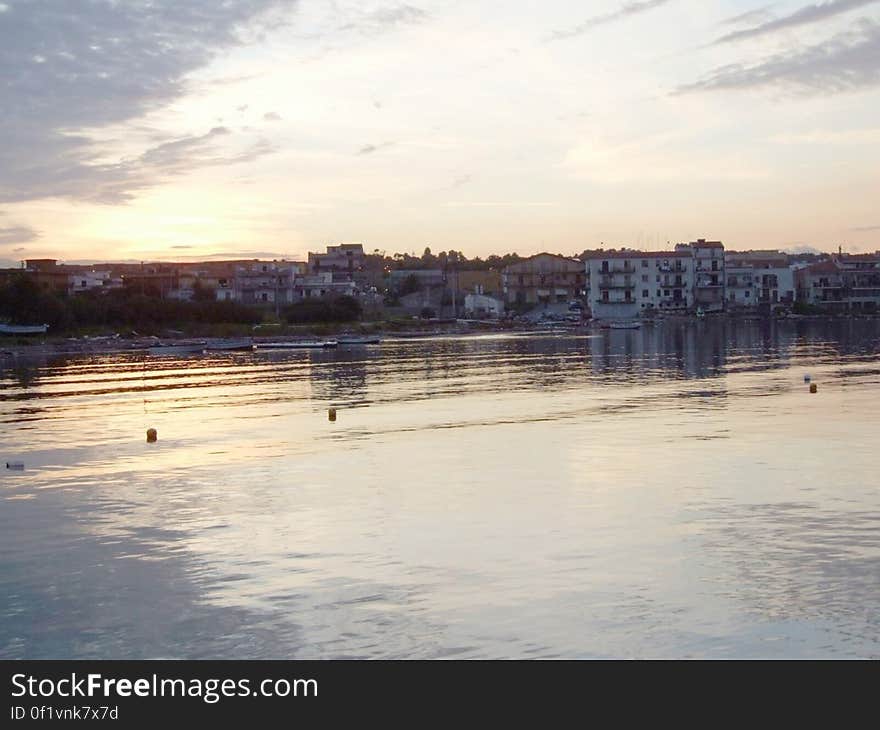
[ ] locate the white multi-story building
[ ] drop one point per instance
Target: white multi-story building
(629, 284)
(756, 278)
(265, 283)
(709, 280)
(83, 281)
(844, 282)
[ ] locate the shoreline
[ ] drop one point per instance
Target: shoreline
(115, 344)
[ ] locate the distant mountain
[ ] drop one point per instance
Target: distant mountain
(802, 249)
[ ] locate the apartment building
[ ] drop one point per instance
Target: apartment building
(629, 284)
(544, 278)
(843, 283)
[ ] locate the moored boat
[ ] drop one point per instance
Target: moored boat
(625, 325)
(297, 345)
(23, 329)
(229, 345)
(359, 340)
(183, 348)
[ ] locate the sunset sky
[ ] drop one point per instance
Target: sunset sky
(184, 129)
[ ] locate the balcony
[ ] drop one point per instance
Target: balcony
(619, 269)
(607, 302)
(610, 282)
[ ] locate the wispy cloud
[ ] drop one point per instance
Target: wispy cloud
(371, 148)
(830, 136)
(810, 14)
(17, 234)
(625, 11)
(847, 62)
(758, 15)
(71, 69)
(866, 229)
(272, 117)
(386, 18)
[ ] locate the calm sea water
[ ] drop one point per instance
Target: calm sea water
(669, 492)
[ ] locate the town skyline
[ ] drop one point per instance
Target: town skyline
(210, 129)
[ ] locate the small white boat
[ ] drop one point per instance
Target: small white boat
(297, 345)
(23, 329)
(625, 325)
(359, 340)
(188, 348)
(229, 345)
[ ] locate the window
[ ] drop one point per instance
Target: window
(644, 277)
(605, 296)
(644, 263)
(645, 293)
(747, 293)
(658, 292)
(666, 292)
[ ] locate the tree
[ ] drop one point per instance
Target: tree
(410, 285)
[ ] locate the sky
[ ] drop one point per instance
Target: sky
(187, 129)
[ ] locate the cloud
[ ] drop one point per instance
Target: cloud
(625, 11)
(370, 148)
(866, 229)
(118, 182)
(386, 18)
(71, 69)
(757, 15)
(847, 62)
(242, 108)
(272, 117)
(17, 234)
(462, 180)
(833, 136)
(805, 16)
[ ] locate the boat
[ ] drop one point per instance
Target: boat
(23, 329)
(625, 325)
(297, 345)
(700, 313)
(229, 345)
(359, 340)
(184, 348)
(414, 335)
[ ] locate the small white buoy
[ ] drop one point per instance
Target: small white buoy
(17, 465)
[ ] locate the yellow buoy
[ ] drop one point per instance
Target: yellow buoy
(331, 414)
(814, 388)
(151, 435)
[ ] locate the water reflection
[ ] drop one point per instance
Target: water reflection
(671, 491)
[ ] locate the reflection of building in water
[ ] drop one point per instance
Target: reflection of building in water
(691, 349)
(340, 375)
